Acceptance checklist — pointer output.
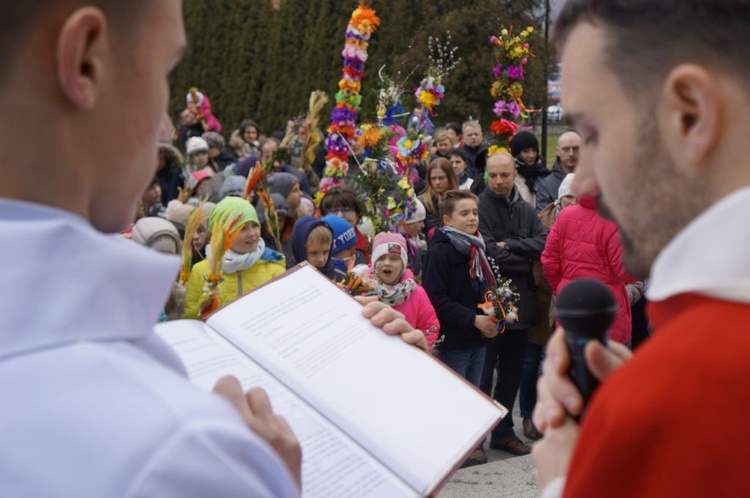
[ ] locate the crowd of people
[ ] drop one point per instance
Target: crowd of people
(99, 406)
(506, 209)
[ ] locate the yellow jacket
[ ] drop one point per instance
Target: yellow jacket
(233, 286)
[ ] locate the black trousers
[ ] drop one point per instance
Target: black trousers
(504, 354)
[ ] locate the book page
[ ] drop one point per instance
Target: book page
(333, 466)
(406, 408)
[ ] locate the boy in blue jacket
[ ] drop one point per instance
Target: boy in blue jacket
(312, 241)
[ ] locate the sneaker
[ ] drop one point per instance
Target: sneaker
(511, 444)
(477, 457)
(530, 430)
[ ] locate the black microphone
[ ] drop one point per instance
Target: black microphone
(585, 308)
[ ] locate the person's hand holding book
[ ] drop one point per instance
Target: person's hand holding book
(255, 409)
(391, 321)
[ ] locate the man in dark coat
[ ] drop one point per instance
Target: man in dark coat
(568, 146)
(474, 147)
(515, 239)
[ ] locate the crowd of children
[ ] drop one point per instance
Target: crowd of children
(433, 265)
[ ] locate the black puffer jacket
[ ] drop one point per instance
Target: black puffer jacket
(513, 221)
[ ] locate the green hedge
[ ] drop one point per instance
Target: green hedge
(254, 61)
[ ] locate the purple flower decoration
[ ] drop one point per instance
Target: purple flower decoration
(515, 73)
(513, 108)
(500, 107)
(343, 114)
(498, 70)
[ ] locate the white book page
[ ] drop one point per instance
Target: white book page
(333, 465)
(406, 408)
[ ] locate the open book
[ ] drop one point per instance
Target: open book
(374, 415)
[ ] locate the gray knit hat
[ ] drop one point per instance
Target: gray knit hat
(158, 234)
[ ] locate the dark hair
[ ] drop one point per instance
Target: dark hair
(18, 17)
(647, 38)
(451, 198)
(462, 154)
(247, 123)
(456, 127)
(340, 196)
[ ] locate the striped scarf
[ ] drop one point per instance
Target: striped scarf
(473, 246)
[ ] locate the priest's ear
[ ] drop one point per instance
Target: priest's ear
(83, 52)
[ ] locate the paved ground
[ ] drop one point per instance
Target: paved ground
(504, 476)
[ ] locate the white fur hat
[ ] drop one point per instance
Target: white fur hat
(565, 186)
(196, 144)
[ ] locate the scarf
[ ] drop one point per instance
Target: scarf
(472, 246)
(234, 262)
(394, 295)
(531, 173)
(463, 176)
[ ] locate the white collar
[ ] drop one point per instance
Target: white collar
(66, 282)
(710, 256)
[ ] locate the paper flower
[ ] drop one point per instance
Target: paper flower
(511, 52)
(342, 130)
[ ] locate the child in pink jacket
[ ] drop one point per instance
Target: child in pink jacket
(394, 284)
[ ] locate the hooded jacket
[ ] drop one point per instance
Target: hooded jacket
(513, 221)
(477, 157)
(234, 285)
(548, 187)
(582, 244)
(302, 229)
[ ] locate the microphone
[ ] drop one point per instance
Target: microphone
(585, 308)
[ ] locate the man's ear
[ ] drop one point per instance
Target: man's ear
(82, 50)
(693, 107)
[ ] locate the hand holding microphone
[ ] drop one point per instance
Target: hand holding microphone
(558, 394)
(585, 308)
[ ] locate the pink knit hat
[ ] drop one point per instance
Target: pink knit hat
(389, 243)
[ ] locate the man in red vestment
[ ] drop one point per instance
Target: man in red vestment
(660, 92)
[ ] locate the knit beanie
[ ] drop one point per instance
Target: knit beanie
(158, 234)
(419, 215)
(306, 207)
(214, 140)
(565, 186)
(177, 212)
(523, 140)
(344, 235)
(282, 183)
(198, 176)
(233, 186)
(389, 243)
(243, 167)
(196, 144)
(236, 206)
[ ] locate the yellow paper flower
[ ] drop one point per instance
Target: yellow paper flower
(495, 149)
(404, 183)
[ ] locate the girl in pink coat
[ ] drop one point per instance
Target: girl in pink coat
(582, 244)
(394, 284)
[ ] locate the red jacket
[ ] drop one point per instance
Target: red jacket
(672, 422)
(582, 244)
